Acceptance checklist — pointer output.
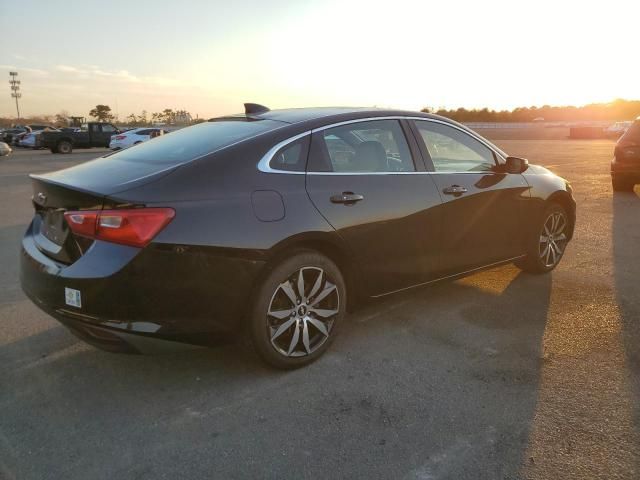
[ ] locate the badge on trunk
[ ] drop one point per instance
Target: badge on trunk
(72, 297)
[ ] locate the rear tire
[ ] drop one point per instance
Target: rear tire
(546, 248)
(297, 310)
(622, 184)
(64, 147)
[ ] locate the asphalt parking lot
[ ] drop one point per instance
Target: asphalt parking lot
(498, 375)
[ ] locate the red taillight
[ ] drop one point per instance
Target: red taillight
(135, 227)
(120, 137)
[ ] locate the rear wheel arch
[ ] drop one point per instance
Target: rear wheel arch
(323, 244)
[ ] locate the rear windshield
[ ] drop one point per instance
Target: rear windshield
(189, 143)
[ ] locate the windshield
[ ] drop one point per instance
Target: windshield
(633, 133)
(193, 142)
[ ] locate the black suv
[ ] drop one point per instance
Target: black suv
(625, 166)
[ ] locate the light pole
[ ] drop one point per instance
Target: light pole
(15, 89)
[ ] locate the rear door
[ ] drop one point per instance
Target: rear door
(362, 178)
(482, 205)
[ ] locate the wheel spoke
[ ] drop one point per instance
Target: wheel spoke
(305, 337)
(553, 256)
(319, 325)
(301, 284)
(548, 255)
(288, 290)
(557, 248)
(294, 339)
(283, 328)
(316, 286)
(323, 294)
(544, 239)
(561, 237)
(560, 225)
(280, 314)
(325, 313)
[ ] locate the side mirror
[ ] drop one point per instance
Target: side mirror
(516, 165)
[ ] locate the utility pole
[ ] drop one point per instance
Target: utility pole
(15, 89)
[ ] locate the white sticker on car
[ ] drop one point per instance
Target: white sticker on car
(72, 297)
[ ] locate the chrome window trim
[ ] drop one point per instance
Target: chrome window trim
(263, 164)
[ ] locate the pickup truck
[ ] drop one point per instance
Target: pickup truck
(93, 134)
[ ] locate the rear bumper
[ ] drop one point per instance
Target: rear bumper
(135, 300)
(625, 169)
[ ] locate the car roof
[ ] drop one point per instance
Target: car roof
(298, 115)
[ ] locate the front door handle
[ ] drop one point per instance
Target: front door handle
(346, 198)
(456, 190)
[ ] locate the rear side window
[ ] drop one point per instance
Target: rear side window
(361, 147)
(193, 142)
(292, 157)
(143, 132)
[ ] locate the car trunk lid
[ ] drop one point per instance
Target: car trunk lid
(51, 233)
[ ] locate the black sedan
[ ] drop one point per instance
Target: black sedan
(268, 225)
(625, 166)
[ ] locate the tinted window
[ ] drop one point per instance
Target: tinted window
(192, 142)
(633, 132)
(373, 146)
(108, 128)
(452, 150)
(292, 157)
(143, 132)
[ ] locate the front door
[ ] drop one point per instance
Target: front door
(363, 179)
(482, 204)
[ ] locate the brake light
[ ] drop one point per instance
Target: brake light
(134, 227)
(120, 137)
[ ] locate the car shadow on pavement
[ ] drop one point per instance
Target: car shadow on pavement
(441, 379)
(626, 256)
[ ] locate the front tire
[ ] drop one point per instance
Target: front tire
(546, 248)
(297, 310)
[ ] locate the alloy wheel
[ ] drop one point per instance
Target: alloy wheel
(553, 239)
(302, 311)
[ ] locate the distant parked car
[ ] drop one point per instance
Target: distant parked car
(4, 149)
(617, 129)
(134, 137)
(625, 166)
(8, 134)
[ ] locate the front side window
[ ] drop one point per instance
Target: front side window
(362, 147)
(452, 150)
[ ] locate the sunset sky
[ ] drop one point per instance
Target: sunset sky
(211, 56)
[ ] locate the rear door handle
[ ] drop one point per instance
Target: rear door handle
(346, 198)
(454, 190)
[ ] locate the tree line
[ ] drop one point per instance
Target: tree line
(617, 110)
(103, 113)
